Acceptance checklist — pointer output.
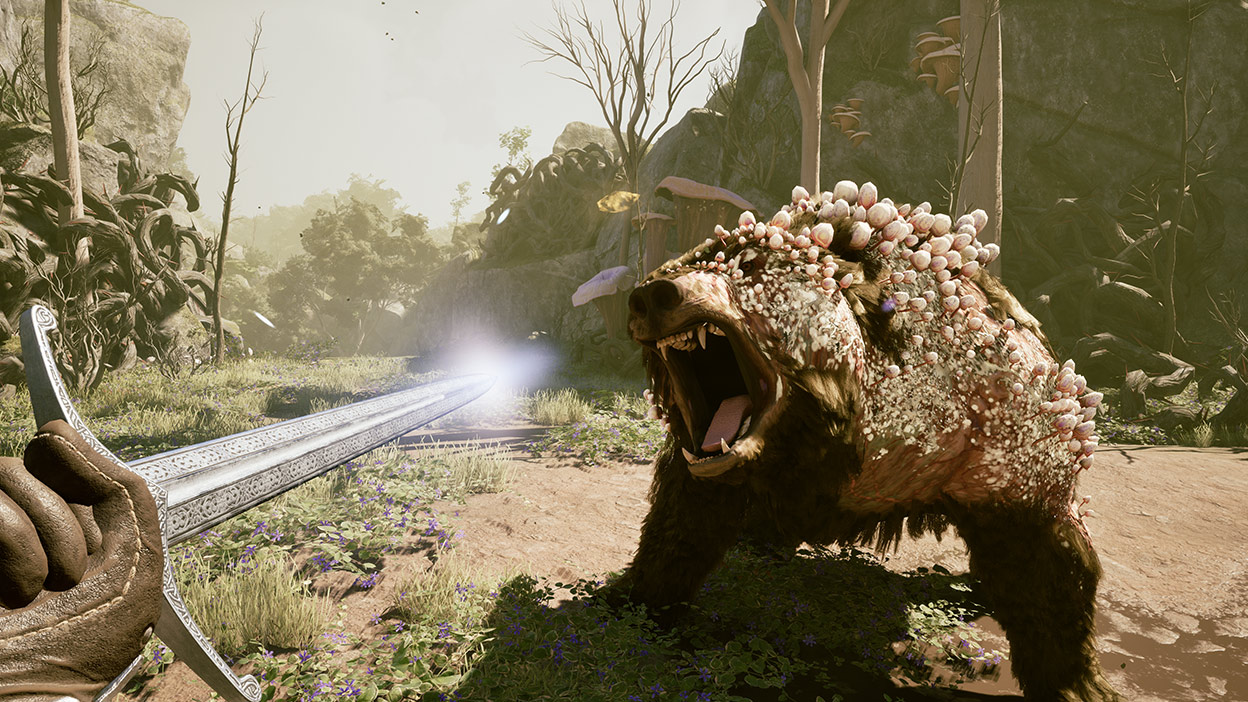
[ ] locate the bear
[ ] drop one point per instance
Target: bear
(850, 370)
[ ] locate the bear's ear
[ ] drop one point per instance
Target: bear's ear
(866, 300)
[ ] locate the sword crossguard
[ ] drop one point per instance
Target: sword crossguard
(200, 486)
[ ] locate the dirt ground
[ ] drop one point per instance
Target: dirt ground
(1169, 524)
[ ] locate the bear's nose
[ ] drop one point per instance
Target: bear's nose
(654, 298)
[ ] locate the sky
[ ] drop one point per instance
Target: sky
(414, 92)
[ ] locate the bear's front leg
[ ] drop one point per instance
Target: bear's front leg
(691, 524)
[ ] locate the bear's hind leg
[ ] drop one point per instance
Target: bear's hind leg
(1039, 575)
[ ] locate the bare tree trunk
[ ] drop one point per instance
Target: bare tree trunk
(806, 73)
(56, 38)
(979, 118)
(250, 95)
(812, 120)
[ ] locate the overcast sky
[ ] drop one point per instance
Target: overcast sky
(412, 91)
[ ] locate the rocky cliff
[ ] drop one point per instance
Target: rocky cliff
(143, 57)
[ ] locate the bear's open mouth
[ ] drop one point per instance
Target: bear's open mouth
(718, 381)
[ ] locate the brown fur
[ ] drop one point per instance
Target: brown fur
(1038, 572)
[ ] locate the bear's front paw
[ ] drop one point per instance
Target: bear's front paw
(625, 591)
(616, 593)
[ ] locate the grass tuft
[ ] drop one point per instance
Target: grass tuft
(261, 600)
(475, 471)
(452, 592)
(558, 407)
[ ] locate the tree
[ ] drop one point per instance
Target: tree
(251, 93)
(516, 142)
(634, 79)
(459, 203)
(356, 263)
(977, 177)
(806, 72)
(56, 37)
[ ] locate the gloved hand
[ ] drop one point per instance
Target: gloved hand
(81, 566)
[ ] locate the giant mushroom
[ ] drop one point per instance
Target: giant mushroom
(654, 227)
(699, 207)
(609, 291)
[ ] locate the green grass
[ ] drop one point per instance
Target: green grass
(139, 413)
(616, 427)
(262, 599)
(451, 592)
(473, 471)
(556, 407)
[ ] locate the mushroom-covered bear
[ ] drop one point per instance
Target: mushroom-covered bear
(850, 369)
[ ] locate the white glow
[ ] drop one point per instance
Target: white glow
(264, 319)
(516, 365)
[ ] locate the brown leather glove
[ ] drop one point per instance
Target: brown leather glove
(81, 566)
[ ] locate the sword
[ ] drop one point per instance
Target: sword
(200, 486)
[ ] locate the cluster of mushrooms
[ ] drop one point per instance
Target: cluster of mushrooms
(939, 59)
(929, 260)
(846, 118)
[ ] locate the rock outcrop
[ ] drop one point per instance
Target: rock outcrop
(143, 57)
(28, 148)
(578, 135)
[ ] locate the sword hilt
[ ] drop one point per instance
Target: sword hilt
(50, 400)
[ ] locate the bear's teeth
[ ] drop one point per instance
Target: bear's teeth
(688, 455)
(702, 336)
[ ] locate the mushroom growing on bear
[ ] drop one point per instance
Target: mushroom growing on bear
(850, 369)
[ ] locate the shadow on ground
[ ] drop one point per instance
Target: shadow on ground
(823, 624)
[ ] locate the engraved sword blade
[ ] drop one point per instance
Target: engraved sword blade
(199, 486)
(210, 482)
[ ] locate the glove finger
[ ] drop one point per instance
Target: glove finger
(23, 565)
(119, 498)
(57, 527)
(60, 459)
(90, 530)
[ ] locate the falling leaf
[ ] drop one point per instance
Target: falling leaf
(618, 201)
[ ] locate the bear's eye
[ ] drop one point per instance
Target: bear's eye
(752, 263)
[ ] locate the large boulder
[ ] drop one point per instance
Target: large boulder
(578, 135)
(28, 148)
(143, 56)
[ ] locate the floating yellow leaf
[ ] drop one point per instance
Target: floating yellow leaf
(618, 201)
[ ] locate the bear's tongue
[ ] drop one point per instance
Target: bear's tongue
(726, 422)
